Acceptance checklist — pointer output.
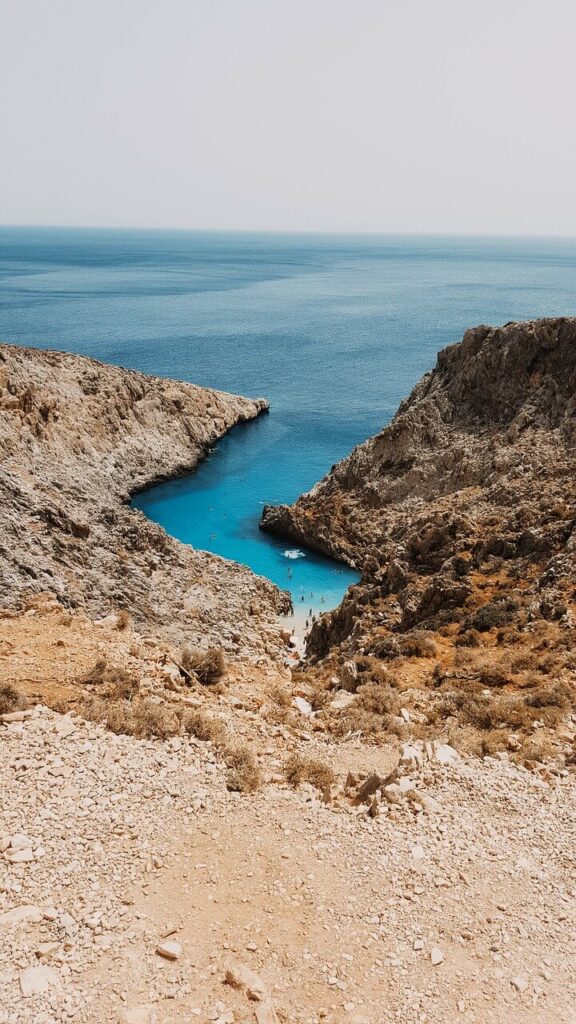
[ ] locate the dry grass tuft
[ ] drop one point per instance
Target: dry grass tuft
(123, 619)
(11, 699)
(244, 774)
(307, 769)
(117, 682)
(208, 666)
(143, 719)
(205, 728)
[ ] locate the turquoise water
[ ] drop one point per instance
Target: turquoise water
(334, 331)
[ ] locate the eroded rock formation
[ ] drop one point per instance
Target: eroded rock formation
(77, 437)
(462, 511)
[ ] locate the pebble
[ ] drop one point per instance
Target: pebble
(436, 956)
(35, 980)
(169, 950)
(519, 983)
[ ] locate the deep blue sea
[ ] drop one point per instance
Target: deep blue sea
(333, 330)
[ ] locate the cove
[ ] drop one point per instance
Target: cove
(218, 509)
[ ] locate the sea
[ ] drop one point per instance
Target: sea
(333, 330)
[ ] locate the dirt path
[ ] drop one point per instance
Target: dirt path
(339, 914)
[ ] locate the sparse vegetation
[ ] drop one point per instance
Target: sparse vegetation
(143, 719)
(208, 666)
(307, 769)
(11, 699)
(205, 728)
(123, 619)
(244, 774)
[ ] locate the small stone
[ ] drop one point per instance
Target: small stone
(410, 755)
(169, 950)
(144, 1014)
(46, 948)
(445, 754)
(35, 980)
(418, 944)
(519, 983)
(418, 852)
(169, 929)
(241, 977)
(16, 716)
(27, 912)
(303, 706)
(265, 1013)
(436, 956)
(19, 856)
(20, 841)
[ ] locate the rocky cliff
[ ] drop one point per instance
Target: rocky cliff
(76, 439)
(461, 513)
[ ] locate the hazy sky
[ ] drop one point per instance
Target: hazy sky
(330, 115)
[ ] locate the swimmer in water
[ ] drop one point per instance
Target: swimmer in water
(302, 598)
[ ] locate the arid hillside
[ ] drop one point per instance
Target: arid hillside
(77, 437)
(462, 515)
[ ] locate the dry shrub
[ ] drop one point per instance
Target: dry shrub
(117, 682)
(205, 728)
(280, 696)
(470, 638)
(557, 695)
(143, 719)
(538, 747)
(495, 613)
(208, 666)
(243, 771)
(123, 619)
(493, 676)
(307, 769)
(11, 699)
(378, 699)
(417, 645)
(96, 674)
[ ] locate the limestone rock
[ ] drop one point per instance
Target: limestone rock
(36, 980)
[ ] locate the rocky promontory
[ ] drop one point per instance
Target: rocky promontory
(77, 438)
(461, 514)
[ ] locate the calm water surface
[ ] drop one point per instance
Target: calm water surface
(334, 331)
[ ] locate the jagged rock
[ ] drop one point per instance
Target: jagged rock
(473, 479)
(243, 978)
(77, 437)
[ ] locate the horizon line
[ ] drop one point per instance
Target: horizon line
(287, 231)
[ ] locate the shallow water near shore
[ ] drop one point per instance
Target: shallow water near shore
(333, 330)
(218, 509)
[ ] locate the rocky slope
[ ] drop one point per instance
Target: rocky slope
(76, 439)
(462, 514)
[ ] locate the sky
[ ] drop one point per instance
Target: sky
(441, 116)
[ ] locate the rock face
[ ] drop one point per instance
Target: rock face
(77, 437)
(464, 505)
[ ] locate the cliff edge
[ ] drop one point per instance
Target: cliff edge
(462, 515)
(77, 437)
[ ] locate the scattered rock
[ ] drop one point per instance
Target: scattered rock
(243, 978)
(169, 950)
(36, 980)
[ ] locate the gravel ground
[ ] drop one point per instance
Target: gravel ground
(455, 903)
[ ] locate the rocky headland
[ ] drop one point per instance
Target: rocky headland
(77, 438)
(461, 514)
